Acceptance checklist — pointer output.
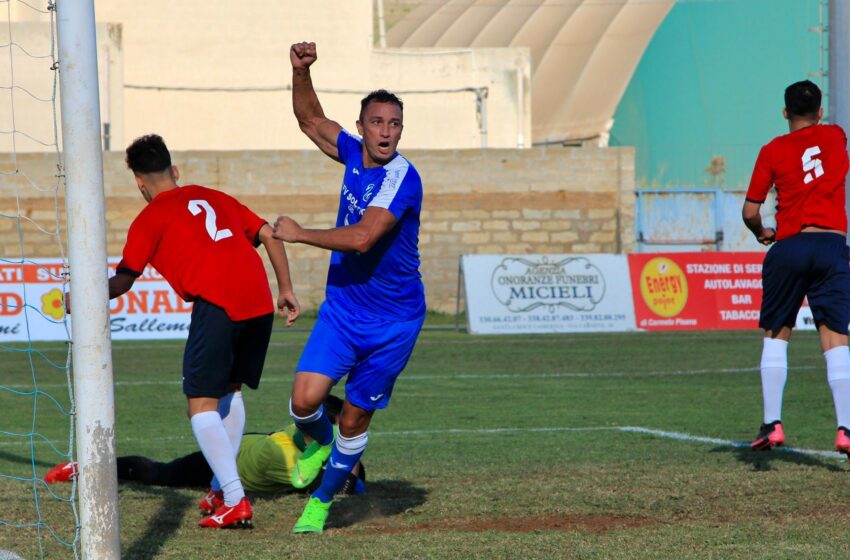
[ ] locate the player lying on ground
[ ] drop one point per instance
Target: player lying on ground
(265, 464)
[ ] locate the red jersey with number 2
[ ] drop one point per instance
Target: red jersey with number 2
(807, 167)
(202, 241)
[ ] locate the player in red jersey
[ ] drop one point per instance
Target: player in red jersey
(809, 258)
(203, 242)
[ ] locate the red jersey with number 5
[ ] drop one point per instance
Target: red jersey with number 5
(807, 167)
(203, 242)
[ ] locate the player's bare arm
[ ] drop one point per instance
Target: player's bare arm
(119, 285)
(752, 219)
(287, 303)
(359, 237)
(305, 103)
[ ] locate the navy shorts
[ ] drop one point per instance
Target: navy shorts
(813, 265)
(371, 350)
(221, 352)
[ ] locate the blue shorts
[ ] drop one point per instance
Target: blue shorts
(371, 350)
(221, 352)
(812, 265)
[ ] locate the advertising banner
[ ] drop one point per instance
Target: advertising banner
(695, 291)
(547, 293)
(31, 306)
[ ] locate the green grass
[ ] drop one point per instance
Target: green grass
(485, 452)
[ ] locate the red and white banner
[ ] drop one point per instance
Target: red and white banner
(696, 291)
(31, 306)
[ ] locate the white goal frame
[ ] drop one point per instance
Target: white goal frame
(92, 345)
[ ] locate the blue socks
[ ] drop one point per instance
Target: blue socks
(345, 454)
(316, 425)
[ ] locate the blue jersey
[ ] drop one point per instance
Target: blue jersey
(385, 280)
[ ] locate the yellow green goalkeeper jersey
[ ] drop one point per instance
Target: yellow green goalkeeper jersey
(265, 461)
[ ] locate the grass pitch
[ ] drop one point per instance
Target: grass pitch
(590, 446)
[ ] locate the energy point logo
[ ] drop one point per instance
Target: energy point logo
(664, 287)
(523, 284)
(51, 304)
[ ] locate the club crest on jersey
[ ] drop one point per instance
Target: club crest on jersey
(369, 192)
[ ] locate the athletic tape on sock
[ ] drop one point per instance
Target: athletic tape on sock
(354, 445)
(774, 353)
(306, 419)
(837, 363)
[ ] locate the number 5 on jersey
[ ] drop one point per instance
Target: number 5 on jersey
(811, 163)
(198, 206)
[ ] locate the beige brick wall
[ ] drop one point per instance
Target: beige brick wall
(540, 200)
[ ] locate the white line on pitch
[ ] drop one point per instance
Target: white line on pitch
(464, 376)
(488, 431)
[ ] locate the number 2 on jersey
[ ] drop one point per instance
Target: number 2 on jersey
(812, 164)
(198, 206)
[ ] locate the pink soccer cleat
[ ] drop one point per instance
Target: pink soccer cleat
(842, 441)
(770, 436)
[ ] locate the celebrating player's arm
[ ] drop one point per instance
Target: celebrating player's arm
(305, 103)
(359, 237)
(287, 303)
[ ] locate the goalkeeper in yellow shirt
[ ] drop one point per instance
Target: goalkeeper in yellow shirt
(264, 462)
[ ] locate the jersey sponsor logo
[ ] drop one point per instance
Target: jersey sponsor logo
(812, 165)
(376, 397)
(354, 207)
(198, 206)
(336, 465)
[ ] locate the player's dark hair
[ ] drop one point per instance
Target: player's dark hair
(148, 154)
(802, 99)
(379, 96)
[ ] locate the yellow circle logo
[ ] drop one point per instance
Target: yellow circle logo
(664, 287)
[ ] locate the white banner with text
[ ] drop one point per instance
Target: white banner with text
(547, 293)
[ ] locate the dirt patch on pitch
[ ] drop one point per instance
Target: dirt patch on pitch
(565, 523)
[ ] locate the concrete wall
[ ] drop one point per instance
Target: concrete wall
(539, 200)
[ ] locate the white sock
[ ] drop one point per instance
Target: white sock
(231, 408)
(838, 375)
(215, 445)
(774, 373)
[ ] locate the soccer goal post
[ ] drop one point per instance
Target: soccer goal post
(90, 335)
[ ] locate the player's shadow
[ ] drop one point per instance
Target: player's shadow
(764, 460)
(23, 460)
(383, 499)
(162, 525)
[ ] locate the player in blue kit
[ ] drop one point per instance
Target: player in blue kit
(375, 300)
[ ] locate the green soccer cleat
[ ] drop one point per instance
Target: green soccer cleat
(309, 465)
(314, 517)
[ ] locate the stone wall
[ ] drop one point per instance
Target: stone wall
(540, 200)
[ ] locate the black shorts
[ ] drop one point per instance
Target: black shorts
(812, 265)
(221, 352)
